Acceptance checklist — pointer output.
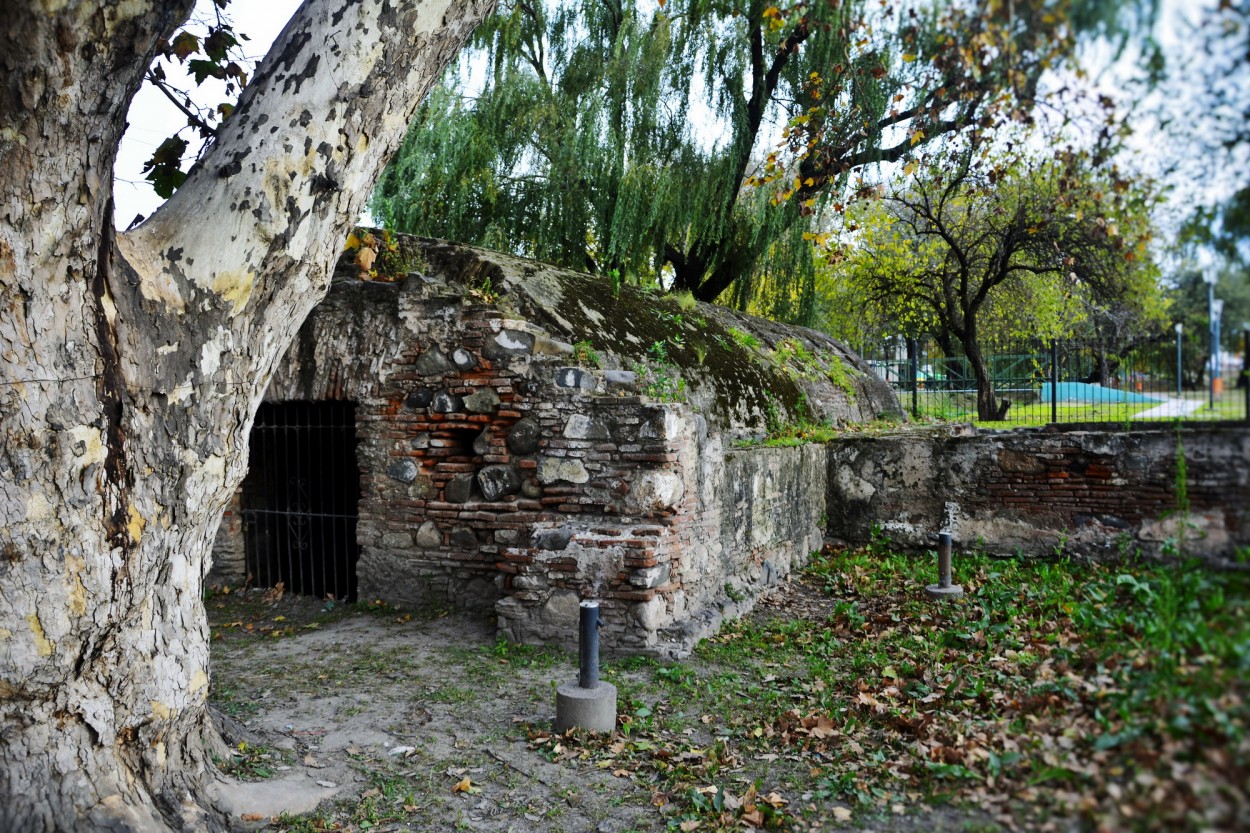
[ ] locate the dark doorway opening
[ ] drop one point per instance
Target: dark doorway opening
(300, 499)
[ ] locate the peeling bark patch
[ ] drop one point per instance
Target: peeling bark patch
(109, 386)
(42, 646)
(310, 69)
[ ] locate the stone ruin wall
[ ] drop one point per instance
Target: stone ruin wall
(498, 473)
(1092, 491)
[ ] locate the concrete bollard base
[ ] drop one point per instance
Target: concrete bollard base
(937, 591)
(587, 708)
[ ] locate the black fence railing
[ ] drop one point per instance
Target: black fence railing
(1066, 381)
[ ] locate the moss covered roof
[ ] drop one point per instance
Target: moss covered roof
(741, 372)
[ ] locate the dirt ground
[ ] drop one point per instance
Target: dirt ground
(344, 719)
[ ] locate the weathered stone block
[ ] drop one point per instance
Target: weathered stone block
(531, 488)
(544, 346)
(421, 440)
(523, 438)
(498, 481)
(508, 343)
(552, 539)
(655, 491)
(405, 471)
(428, 536)
(576, 378)
(650, 615)
(482, 401)
(554, 469)
(582, 427)
(481, 443)
(649, 577)
(463, 359)
(397, 540)
(623, 379)
(431, 363)
(530, 582)
(459, 489)
(506, 536)
(446, 403)
(462, 538)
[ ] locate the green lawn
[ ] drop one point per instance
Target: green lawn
(1053, 693)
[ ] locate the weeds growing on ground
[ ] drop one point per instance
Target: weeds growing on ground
(1114, 693)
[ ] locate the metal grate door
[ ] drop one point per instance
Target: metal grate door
(300, 499)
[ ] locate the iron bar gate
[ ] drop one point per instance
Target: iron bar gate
(300, 497)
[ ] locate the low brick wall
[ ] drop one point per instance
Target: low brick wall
(1088, 490)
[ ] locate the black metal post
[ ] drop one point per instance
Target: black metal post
(913, 362)
(944, 559)
(1054, 380)
(588, 639)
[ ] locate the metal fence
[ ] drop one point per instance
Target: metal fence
(1067, 381)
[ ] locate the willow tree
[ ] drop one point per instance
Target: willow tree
(133, 364)
(1041, 245)
(628, 138)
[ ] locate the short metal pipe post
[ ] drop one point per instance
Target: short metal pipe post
(588, 642)
(588, 703)
(944, 559)
(944, 589)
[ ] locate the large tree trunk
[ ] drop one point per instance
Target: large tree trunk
(132, 367)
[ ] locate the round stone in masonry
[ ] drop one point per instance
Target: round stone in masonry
(463, 359)
(482, 401)
(428, 536)
(446, 403)
(405, 471)
(524, 436)
(419, 399)
(498, 481)
(432, 362)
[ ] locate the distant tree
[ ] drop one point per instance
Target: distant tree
(633, 139)
(1037, 245)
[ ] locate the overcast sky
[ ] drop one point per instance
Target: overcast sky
(153, 118)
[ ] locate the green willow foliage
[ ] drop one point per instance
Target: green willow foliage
(633, 138)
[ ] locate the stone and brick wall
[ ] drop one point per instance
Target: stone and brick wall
(1088, 490)
(500, 473)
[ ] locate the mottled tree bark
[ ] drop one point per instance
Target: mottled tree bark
(132, 366)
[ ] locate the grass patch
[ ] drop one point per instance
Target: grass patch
(1115, 694)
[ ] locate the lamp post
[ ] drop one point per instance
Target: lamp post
(1180, 328)
(1210, 278)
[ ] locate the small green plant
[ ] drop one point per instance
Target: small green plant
(744, 339)
(484, 292)
(838, 373)
(685, 300)
(584, 353)
(658, 376)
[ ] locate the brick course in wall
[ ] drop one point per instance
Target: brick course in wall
(1091, 490)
